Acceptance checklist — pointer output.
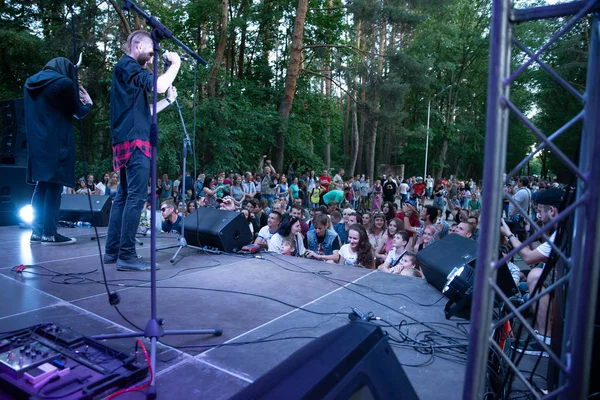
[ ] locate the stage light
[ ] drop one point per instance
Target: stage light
(26, 214)
(459, 289)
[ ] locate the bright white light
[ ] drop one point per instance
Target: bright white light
(26, 214)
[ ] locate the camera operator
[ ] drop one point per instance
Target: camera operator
(523, 198)
(268, 182)
(549, 203)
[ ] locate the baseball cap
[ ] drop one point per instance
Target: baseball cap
(551, 197)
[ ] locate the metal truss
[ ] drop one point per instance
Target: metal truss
(582, 264)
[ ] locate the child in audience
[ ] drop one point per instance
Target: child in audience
(288, 246)
(408, 266)
(399, 243)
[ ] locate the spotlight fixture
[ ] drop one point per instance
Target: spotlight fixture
(459, 289)
(26, 216)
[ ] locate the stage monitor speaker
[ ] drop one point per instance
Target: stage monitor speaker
(225, 230)
(15, 193)
(76, 207)
(442, 256)
(354, 361)
(13, 143)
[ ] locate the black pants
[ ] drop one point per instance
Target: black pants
(46, 206)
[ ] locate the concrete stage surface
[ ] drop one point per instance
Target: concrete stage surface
(268, 307)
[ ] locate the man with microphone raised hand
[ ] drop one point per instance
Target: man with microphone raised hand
(130, 120)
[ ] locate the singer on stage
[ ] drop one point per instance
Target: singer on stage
(130, 120)
(51, 102)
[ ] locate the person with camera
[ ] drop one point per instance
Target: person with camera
(268, 182)
(522, 197)
(549, 205)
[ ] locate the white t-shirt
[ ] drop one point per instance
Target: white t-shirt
(265, 234)
(545, 247)
(277, 240)
(393, 258)
(349, 256)
(404, 188)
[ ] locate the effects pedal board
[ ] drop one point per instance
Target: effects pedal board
(50, 361)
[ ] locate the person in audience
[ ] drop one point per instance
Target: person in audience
(465, 230)
(171, 219)
(247, 215)
(338, 180)
(237, 191)
(268, 182)
(249, 186)
(384, 246)
(408, 266)
(298, 212)
(112, 186)
(323, 244)
(191, 206)
(337, 196)
(426, 238)
(366, 220)
(266, 232)
(281, 190)
(332, 206)
(365, 190)
(377, 196)
(315, 194)
(199, 185)
(358, 251)
(101, 186)
(474, 220)
(377, 230)
(222, 189)
(474, 204)
(389, 210)
(289, 229)
(295, 189)
(167, 187)
(210, 192)
(399, 247)
(325, 180)
(288, 247)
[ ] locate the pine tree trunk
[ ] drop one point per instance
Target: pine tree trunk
(212, 81)
(290, 83)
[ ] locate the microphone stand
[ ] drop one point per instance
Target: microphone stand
(153, 329)
(187, 144)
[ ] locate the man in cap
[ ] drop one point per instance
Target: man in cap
(550, 202)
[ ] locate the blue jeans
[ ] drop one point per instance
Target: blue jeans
(127, 208)
(269, 197)
(46, 206)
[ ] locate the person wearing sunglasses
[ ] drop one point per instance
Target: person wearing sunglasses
(171, 219)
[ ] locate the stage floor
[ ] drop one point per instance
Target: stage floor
(268, 307)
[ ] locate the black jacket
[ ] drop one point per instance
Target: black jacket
(51, 101)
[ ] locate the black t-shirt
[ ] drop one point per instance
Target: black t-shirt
(174, 227)
(389, 190)
(129, 105)
(334, 246)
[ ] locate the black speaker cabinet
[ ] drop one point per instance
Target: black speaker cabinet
(14, 193)
(442, 256)
(354, 361)
(13, 139)
(76, 207)
(225, 230)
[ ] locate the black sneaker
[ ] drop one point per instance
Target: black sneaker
(531, 347)
(112, 258)
(135, 264)
(35, 239)
(57, 240)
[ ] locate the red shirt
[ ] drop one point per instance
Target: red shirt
(123, 151)
(413, 219)
(418, 188)
(325, 181)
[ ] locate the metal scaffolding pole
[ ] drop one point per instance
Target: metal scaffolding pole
(582, 266)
